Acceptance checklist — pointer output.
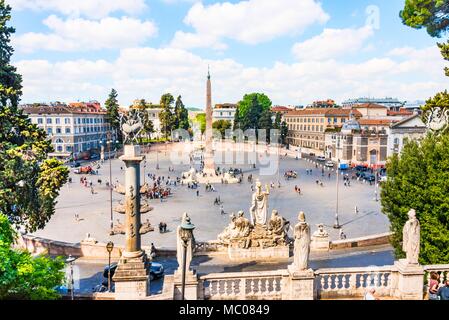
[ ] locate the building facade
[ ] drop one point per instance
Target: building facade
(355, 146)
(224, 111)
(73, 129)
(411, 128)
(307, 127)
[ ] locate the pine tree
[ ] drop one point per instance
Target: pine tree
(112, 113)
(182, 115)
(166, 116)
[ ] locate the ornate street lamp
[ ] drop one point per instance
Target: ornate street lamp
(109, 248)
(70, 261)
(186, 235)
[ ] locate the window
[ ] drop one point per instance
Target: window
(49, 121)
(67, 130)
(40, 121)
(59, 148)
(68, 148)
(59, 140)
(67, 120)
(58, 131)
(58, 120)
(49, 131)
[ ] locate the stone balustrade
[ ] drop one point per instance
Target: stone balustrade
(354, 282)
(208, 246)
(442, 269)
(266, 285)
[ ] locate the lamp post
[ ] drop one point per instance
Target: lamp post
(70, 261)
(186, 235)
(109, 248)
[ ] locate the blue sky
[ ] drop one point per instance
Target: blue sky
(296, 51)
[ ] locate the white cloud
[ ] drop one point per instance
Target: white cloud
(332, 43)
(250, 22)
(75, 8)
(149, 72)
(85, 35)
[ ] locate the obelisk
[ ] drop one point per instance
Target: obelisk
(209, 166)
(131, 277)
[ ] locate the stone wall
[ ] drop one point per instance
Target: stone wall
(377, 239)
(37, 245)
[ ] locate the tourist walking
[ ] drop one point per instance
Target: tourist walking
(370, 295)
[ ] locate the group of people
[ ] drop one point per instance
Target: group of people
(209, 187)
(438, 291)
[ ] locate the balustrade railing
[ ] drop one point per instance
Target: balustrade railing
(441, 269)
(208, 246)
(354, 282)
(244, 285)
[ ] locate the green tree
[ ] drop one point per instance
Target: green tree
(10, 80)
(284, 132)
(112, 113)
(266, 123)
(166, 116)
(222, 126)
(29, 182)
(432, 15)
(277, 121)
(23, 276)
(250, 109)
(201, 119)
(418, 179)
(181, 115)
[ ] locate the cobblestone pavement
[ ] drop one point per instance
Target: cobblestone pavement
(319, 203)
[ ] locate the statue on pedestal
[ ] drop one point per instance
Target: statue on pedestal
(410, 238)
(302, 244)
(259, 206)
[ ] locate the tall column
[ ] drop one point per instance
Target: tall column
(209, 166)
(132, 275)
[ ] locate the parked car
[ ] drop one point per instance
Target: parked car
(321, 158)
(369, 177)
(311, 154)
(75, 165)
(156, 271)
(360, 168)
(360, 174)
(329, 163)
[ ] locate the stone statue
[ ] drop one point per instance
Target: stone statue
(410, 236)
(302, 244)
(321, 233)
(259, 206)
(131, 126)
(230, 231)
(278, 227)
(180, 246)
(437, 119)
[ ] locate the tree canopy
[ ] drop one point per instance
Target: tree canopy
(23, 276)
(432, 15)
(417, 178)
(112, 113)
(29, 182)
(222, 126)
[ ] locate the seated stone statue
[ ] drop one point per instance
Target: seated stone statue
(278, 228)
(230, 231)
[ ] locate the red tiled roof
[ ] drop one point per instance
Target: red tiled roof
(399, 113)
(376, 121)
(280, 108)
(329, 112)
(369, 105)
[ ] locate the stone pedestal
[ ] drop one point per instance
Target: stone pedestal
(410, 281)
(258, 253)
(131, 278)
(320, 243)
(192, 290)
(301, 284)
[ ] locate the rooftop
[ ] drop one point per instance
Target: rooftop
(328, 112)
